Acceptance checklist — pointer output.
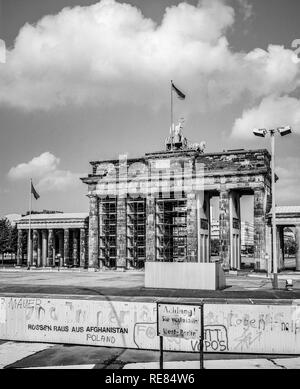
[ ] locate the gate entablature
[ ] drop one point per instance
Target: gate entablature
(242, 169)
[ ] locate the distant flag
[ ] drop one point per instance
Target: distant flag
(180, 95)
(34, 192)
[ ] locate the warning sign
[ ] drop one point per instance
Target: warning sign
(180, 321)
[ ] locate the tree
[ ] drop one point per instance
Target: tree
(8, 237)
(290, 246)
(215, 246)
(5, 235)
(13, 240)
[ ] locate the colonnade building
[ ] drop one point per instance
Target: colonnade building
(56, 239)
(286, 216)
(157, 208)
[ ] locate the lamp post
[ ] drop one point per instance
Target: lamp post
(262, 133)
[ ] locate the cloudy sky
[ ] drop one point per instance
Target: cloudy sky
(86, 80)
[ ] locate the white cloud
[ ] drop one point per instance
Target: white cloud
(288, 185)
(44, 169)
(272, 112)
(109, 52)
(4, 191)
(247, 8)
(2, 51)
(59, 180)
(36, 168)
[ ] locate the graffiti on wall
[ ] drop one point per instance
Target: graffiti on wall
(227, 327)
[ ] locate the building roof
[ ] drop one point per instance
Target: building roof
(288, 209)
(56, 216)
(287, 215)
(54, 221)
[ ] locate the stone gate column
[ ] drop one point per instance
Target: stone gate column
(66, 247)
(20, 248)
(44, 247)
(94, 232)
(61, 246)
(224, 228)
(39, 250)
(121, 233)
(203, 227)
(235, 229)
(259, 229)
(150, 228)
(35, 248)
(191, 206)
(297, 238)
(280, 247)
(51, 248)
(83, 261)
(75, 248)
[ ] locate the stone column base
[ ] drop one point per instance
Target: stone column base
(92, 269)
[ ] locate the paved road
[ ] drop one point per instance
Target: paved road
(131, 283)
(23, 355)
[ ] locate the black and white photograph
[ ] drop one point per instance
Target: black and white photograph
(149, 188)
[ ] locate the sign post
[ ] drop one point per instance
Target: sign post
(161, 352)
(180, 321)
(202, 338)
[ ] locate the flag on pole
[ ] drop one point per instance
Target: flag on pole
(34, 192)
(180, 95)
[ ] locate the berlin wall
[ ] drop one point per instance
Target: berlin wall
(238, 328)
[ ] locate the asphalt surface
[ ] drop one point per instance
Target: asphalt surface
(131, 284)
(115, 358)
(176, 293)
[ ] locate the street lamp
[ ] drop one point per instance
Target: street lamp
(262, 133)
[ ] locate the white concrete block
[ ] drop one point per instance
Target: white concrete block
(184, 275)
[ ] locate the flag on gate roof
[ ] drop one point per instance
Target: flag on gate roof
(180, 95)
(34, 192)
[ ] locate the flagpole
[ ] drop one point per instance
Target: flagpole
(29, 249)
(171, 115)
